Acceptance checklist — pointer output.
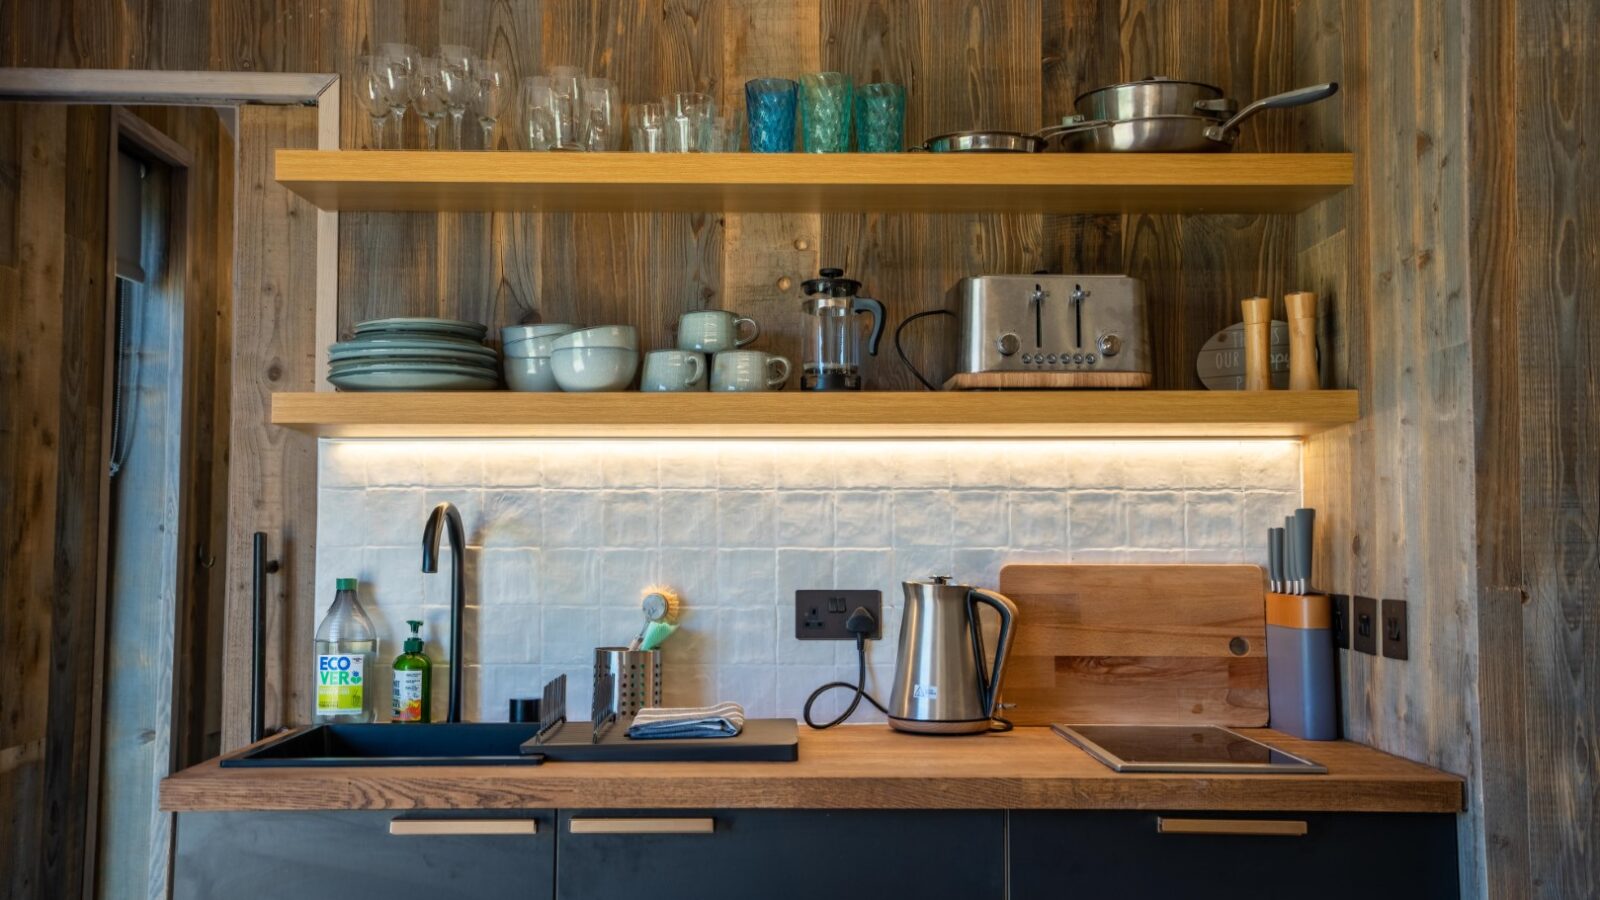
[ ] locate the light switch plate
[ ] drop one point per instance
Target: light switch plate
(820, 615)
(1395, 637)
(1364, 625)
(1341, 621)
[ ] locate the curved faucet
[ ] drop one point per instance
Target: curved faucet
(445, 516)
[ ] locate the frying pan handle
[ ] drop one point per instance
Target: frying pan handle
(1297, 97)
(1008, 618)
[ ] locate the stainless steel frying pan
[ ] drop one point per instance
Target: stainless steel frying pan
(1174, 133)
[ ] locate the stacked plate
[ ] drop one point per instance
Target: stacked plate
(414, 354)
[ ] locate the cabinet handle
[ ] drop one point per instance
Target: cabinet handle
(463, 826)
(1274, 827)
(643, 826)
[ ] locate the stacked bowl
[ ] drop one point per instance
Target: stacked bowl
(604, 358)
(414, 354)
(526, 349)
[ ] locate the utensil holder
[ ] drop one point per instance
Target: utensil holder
(1300, 666)
(636, 677)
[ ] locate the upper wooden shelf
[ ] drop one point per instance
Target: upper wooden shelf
(1012, 414)
(805, 182)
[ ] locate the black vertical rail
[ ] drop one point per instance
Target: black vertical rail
(261, 567)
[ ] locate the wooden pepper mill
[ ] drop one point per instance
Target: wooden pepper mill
(1302, 306)
(1257, 344)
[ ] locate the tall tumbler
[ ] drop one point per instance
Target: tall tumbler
(771, 102)
(825, 101)
(881, 118)
(636, 677)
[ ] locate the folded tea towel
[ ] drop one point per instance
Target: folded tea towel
(721, 720)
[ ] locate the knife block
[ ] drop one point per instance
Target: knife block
(1300, 666)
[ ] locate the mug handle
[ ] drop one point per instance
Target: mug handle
(777, 381)
(755, 331)
(697, 365)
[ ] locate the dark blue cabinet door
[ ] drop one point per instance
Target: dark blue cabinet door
(781, 854)
(1059, 855)
(344, 855)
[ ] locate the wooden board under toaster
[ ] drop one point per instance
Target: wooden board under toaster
(1035, 381)
(1137, 644)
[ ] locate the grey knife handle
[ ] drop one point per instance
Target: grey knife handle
(1289, 567)
(1275, 558)
(1304, 520)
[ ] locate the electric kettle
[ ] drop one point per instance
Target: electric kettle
(942, 684)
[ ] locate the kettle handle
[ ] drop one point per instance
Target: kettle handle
(990, 684)
(867, 304)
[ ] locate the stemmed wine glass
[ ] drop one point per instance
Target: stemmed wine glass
(401, 62)
(455, 73)
(494, 86)
(374, 89)
(428, 98)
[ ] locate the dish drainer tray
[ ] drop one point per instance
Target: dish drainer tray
(761, 740)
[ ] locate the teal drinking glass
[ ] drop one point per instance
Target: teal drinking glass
(825, 104)
(770, 103)
(881, 118)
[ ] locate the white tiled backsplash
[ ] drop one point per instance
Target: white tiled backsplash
(565, 536)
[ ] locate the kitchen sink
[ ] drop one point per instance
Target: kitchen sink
(453, 744)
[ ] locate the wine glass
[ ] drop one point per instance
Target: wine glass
(494, 84)
(402, 63)
(374, 87)
(428, 98)
(455, 74)
(601, 130)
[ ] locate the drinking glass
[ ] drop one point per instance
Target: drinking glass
(374, 87)
(825, 112)
(689, 116)
(427, 98)
(538, 122)
(601, 129)
(494, 87)
(647, 127)
(726, 132)
(881, 118)
(566, 87)
(770, 102)
(402, 64)
(455, 74)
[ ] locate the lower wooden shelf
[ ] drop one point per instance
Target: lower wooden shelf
(1015, 414)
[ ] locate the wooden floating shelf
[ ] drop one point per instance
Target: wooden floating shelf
(1014, 414)
(453, 181)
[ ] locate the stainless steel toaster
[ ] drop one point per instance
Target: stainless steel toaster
(1049, 331)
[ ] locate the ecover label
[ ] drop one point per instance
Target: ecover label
(339, 684)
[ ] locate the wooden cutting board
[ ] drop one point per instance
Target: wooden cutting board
(1165, 645)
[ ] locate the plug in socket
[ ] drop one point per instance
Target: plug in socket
(820, 615)
(1394, 629)
(1364, 634)
(1341, 621)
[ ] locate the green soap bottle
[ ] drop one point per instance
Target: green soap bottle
(413, 672)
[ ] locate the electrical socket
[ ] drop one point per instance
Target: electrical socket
(820, 615)
(1394, 629)
(1364, 634)
(1341, 621)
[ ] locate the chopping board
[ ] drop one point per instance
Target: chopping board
(1156, 645)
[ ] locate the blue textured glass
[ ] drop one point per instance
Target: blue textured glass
(770, 102)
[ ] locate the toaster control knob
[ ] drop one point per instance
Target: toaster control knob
(1110, 345)
(1008, 344)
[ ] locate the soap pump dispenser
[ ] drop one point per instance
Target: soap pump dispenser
(413, 672)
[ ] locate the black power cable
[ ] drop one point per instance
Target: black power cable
(901, 350)
(861, 623)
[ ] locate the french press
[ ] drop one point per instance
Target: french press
(833, 352)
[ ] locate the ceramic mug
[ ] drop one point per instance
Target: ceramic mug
(748, 370)
(713, 331)
(671, 371)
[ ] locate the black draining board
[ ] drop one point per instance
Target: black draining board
(762, 740)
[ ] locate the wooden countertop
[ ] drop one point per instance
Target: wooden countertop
(851, 767)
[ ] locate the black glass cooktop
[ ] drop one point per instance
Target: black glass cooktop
(1183, 748)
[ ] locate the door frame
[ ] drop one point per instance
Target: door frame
(122, 87)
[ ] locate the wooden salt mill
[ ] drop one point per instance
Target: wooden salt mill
(1302, 306)
(1257, 344)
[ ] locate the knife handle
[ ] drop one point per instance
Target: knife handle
(1304, 520)
(1275, 558)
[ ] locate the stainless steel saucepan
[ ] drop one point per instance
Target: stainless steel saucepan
(1174, 133)
(1155, 95)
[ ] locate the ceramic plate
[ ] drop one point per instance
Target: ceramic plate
(414, 377)
(412, 351)
(422, 326)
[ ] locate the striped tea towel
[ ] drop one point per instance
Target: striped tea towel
(722, 720)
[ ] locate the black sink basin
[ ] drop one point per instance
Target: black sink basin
(456, 744)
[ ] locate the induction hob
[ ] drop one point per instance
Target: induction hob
(1208, 749)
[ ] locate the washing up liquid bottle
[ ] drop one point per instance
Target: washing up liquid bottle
(345, 648)
(412, 671)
